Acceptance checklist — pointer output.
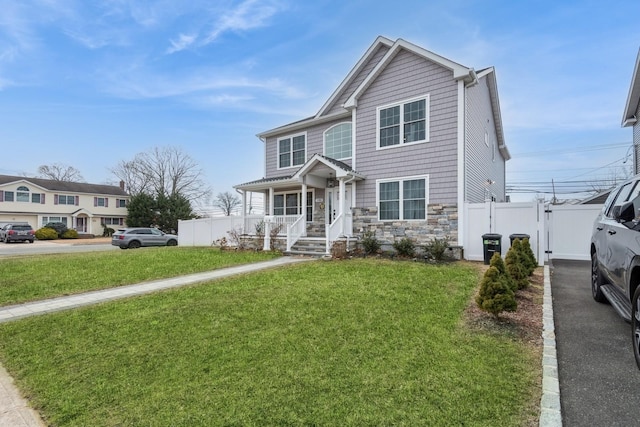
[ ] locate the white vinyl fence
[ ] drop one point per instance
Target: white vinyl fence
(556, 231)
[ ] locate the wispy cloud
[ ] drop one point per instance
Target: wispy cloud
(248, 15)
(183, 42)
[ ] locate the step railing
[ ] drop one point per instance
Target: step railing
(333, 231)
(295, 231)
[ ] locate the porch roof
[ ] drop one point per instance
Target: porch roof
(331, 168)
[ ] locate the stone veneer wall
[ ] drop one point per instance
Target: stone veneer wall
(441, 222)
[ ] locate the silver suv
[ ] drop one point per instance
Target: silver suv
(17, 233)
(132, 238)
(615, 256)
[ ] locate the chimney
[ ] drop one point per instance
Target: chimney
(122, 185)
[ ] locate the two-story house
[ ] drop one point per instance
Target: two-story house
(80, 206)
(404, 141)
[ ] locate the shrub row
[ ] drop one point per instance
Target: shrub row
(503, 279)
(406, 247)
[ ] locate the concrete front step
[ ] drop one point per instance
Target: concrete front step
(314, 246)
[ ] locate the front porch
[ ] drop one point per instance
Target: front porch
(315, 202)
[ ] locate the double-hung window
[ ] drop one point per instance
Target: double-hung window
(22, 194)
(292, 151)
(290, 204)
(403, 199)
(403, 123)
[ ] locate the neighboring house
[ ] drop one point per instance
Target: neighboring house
(83, 207)
(631, 113)
(405, 140)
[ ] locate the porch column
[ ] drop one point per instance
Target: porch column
(244, 212)
(342, 194)
(303, 202)
(271, 212)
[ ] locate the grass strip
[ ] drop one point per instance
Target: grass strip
(348, 343)
(44, 276)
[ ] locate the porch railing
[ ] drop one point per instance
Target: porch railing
(295, 231)
(333, 231)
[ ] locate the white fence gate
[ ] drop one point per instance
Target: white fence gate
(556, 231)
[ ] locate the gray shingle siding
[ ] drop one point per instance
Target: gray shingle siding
(351, 87)
(315, 144)
(408, 76)
(480, 165)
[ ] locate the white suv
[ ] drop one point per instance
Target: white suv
(615, 256)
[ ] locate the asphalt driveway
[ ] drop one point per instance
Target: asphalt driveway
(599, 380)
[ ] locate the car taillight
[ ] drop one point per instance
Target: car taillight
(32, 232)
(121, 237)
(11, 232)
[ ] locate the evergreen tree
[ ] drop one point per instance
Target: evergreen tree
(141, 211)
(528, 254)
(498, 263)
(170, 210)
(495, 295)
(515, 265)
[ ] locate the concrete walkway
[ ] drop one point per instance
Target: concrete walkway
(14, 409)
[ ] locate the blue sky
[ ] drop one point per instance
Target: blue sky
(90, 83)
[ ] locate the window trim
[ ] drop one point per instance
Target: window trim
(298, 203)
(401, 196)
(23, 191)
(291, 153)
(324, 140)
(401, 104)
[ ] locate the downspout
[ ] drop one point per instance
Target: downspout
(474, 78)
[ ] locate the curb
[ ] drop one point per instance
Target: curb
(550, 409)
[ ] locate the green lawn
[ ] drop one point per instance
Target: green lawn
(43, 276)
(358, 342)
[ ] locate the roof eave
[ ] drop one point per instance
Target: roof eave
(633, 97)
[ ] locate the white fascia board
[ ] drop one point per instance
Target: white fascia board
(490, 74)
(460, 72)
(355, 71)
(633, 98)
(303, 124)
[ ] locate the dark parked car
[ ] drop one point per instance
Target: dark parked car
(17, 233)
(615, 256)
(131, 238)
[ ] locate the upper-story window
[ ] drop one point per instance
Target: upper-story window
(101, 201)
(8, 196)
(337, 141)
(403, 123)
(121, 203)
(22, 194)
(63, 199)
(292, 151)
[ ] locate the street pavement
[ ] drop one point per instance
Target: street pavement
(599, 380)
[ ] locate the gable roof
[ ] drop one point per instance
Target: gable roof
(490, 73)
(633, 98)
(65, 186)
(460, 72)
(341, 168)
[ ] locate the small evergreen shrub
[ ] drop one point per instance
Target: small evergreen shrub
(70, 234)
(498, 263)
(107, 231)
(46, 233)
(529, 256)
(515, 265)
(59, 227)
(495, 295)
(405, 247)
(437, 249)
(370, 244)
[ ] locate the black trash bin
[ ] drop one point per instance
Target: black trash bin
(515, 236)
(492, 244)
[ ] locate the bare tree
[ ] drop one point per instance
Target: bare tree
(227, 202)
(60, 172)
(163, 170)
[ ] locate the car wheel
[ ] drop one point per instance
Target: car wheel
(123, 247)
(134, 244)
(172, 242)
(596, 280)
(635, 325)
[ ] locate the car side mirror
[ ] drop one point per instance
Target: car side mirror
(625, 212)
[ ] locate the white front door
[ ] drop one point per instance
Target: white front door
(333, 203)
